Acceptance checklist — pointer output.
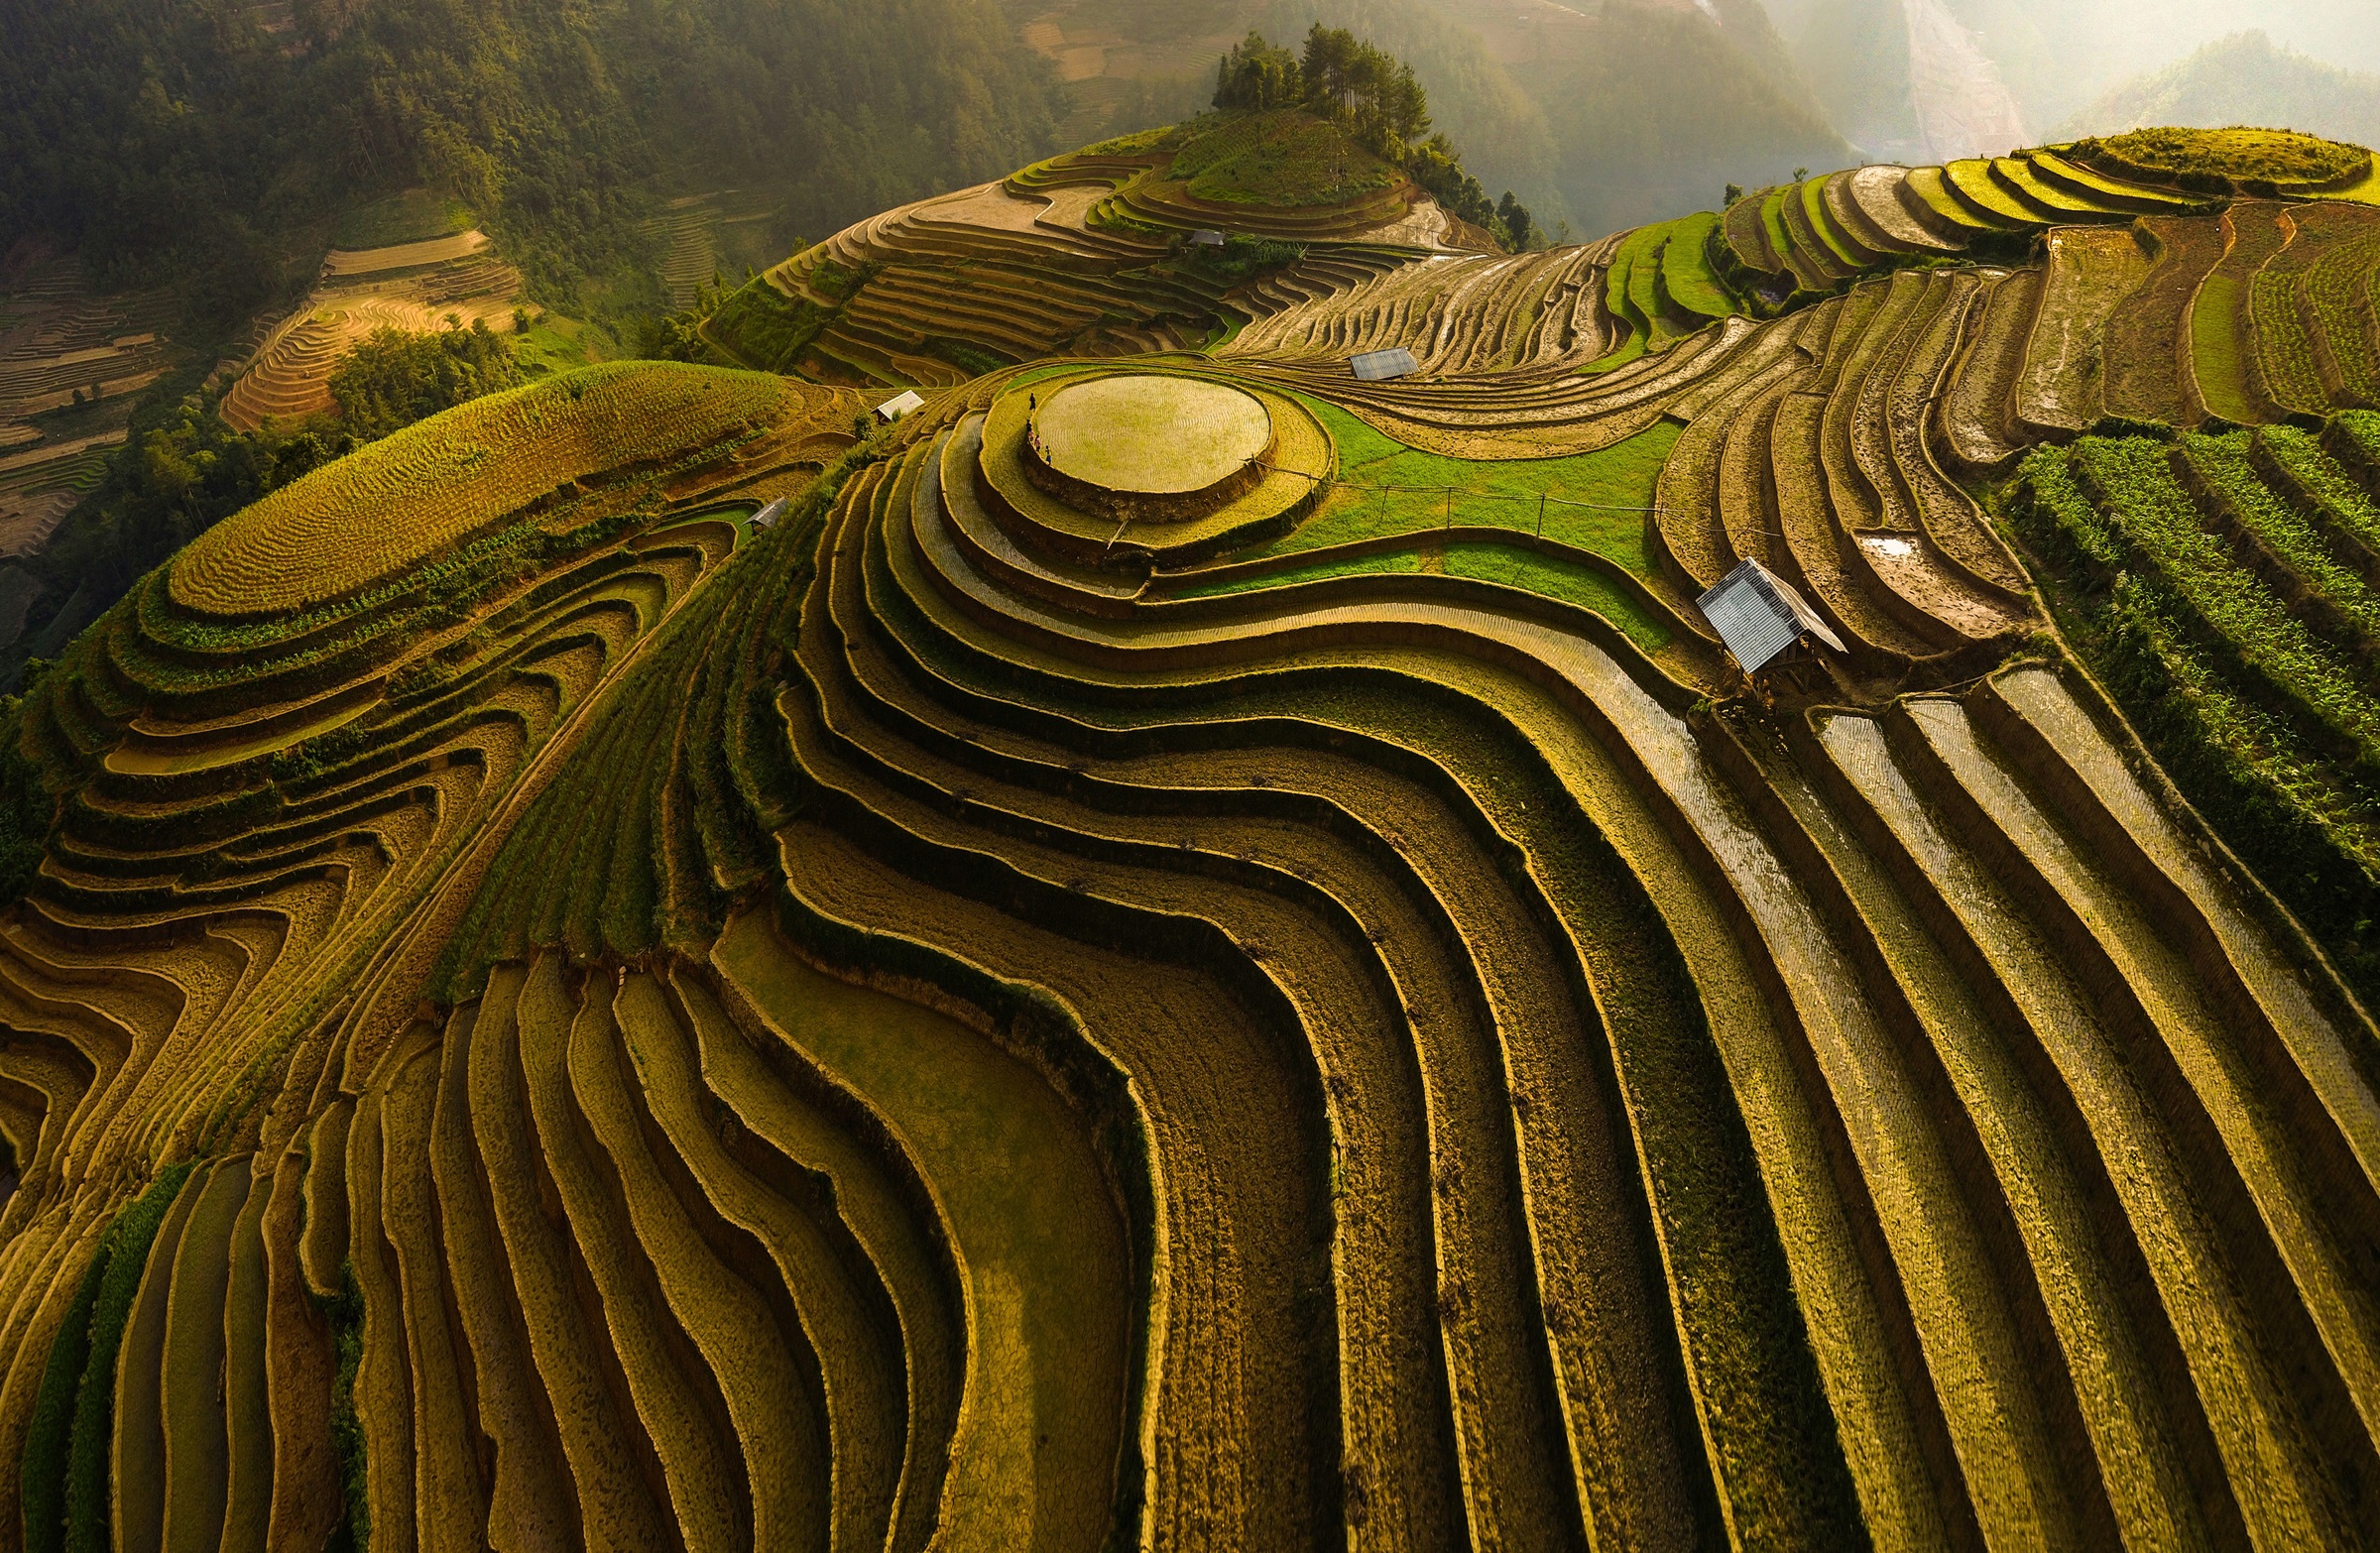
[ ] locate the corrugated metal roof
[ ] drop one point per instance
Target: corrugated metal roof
(900, 405)
(1375, 366)
(767, 516)
(1757, 615)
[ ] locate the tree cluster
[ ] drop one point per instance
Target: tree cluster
(1375, 100)
(394, 378)
(1369, 94)
(678, 336)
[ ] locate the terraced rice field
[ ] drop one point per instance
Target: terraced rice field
(979, 1013)
(72, 365)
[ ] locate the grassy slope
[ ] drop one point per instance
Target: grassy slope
(1284, 157)
(1621, 480)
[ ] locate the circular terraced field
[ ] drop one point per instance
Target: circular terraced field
(1153, 436)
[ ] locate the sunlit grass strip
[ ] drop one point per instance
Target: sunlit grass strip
(1599, 500)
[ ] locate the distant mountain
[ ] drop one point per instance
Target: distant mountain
(2245, 79)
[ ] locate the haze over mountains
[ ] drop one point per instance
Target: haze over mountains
(2049, 59)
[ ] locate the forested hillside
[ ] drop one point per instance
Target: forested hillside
(190, 136)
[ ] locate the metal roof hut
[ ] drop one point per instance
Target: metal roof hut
(1379, 366)
(894, 409)
(1760, 618)
(767, 516)
(1206, 237)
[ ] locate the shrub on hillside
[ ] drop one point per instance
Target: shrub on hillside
(760, 326)
(26, 811)
(1243, 257)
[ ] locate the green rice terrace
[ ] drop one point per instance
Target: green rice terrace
(1181, 949)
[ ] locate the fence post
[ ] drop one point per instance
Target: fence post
(1541, 515)
(1450, 507)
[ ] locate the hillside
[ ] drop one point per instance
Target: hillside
(1093, 253)
(1180, 948)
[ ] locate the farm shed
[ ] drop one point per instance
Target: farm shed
(1758, 615)
(894, 409)
(1378, 366)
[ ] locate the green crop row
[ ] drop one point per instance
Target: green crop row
(2341, 287)
(577, 867)
(2297, 462)
(2284, 344)
(2284, 804)
(2351, 607)
(2159, 532)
